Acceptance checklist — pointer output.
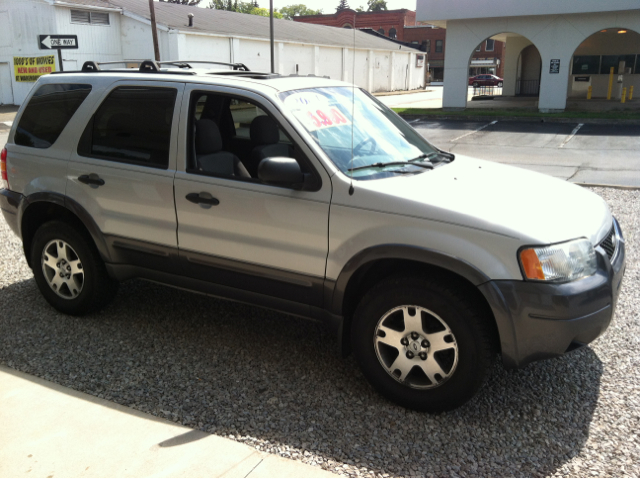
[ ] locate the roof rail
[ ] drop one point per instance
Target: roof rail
(186, 64)
(151, 66)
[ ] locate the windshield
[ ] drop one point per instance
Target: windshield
(383, 144)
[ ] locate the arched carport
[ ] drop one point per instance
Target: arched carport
(617, 47)
(555, 36)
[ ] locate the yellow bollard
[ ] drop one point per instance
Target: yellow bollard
(624, 95)
(589, 92)
(631, 92)
(610, 84)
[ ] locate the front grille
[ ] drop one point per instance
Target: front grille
(610, 243)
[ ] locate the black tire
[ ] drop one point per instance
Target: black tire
(95, 290)
(499, 84)
(469, 331)
(475, 84)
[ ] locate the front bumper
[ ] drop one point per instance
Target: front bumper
(9, 204)
(539, 321)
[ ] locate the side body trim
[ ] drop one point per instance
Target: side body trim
(75, 208)
(399, 252)
(9, 204)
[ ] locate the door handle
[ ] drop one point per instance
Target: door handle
(91, 179)
(203, 199)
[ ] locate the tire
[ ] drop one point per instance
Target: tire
(446, 377)
(499, 84)
(69, 271)
(475, 84)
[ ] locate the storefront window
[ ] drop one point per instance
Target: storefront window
(586, 65)
(609, 61)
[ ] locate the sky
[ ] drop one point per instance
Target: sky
(329, 6)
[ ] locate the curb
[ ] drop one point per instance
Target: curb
(403, 92)
(599, 185)
(593, 121)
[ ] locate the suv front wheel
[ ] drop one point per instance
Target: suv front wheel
(68, 269)
(421, 344)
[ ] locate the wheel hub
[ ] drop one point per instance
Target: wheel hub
(416, 348)
(64, 269)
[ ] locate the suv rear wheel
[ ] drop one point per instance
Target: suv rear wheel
(421, 344)
(68, 269)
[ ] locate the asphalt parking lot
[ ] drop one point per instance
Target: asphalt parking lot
(581, 153)
(276, 383)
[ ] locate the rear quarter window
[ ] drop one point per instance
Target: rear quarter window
(48, 112)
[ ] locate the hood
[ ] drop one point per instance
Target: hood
(500, 199)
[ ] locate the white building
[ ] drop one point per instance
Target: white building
(111, 30)
(554, 48)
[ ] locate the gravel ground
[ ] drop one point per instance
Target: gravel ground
(277, 383)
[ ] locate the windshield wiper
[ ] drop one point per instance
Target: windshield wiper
(424, 156)
(428, 166)
(446, 154)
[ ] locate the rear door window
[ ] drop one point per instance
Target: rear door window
(133, 125)
(48, 112)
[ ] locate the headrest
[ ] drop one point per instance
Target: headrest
(208, 139)
(264, 131)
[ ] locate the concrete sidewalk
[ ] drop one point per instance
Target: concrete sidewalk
(47, 430)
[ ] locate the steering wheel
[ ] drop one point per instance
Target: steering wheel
(360, 146)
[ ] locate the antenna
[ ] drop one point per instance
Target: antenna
(353, 102)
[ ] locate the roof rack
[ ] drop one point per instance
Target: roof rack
(187, 64)
(151, 66)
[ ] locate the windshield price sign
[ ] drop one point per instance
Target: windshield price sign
(315, 111)
(50, 42)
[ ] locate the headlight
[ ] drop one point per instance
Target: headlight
(559, 262)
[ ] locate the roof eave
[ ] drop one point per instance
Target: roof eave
(60, 3)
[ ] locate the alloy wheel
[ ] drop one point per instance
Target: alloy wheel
(416, 347)
(62, 269)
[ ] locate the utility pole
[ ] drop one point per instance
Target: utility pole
(273, 59)
(154, 31)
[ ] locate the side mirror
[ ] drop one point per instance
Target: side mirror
(282, 171)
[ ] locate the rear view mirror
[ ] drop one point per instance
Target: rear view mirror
(281, 171)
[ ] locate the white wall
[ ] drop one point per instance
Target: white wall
(26, 19)
(136, 40)
(513, 48)
(23, 21)
(433, 10)
(100, 43)
(555, 36)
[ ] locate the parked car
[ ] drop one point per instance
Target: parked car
(486, 80)
(308, 196)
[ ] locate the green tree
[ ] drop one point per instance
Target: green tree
(296, 10)
(376, 6)
(264, 12)
(342, 6)
(191, 3)
(250, 8)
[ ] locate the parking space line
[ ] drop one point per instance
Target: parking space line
(475, 131)
(573, 133)
(415, 121)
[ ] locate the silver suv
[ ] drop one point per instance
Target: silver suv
(308, 196)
